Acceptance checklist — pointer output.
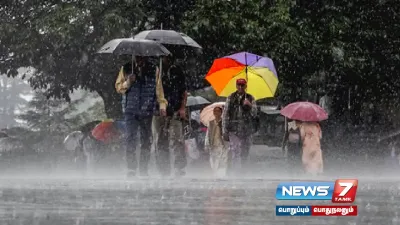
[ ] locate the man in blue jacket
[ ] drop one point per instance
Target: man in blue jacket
(139, 105)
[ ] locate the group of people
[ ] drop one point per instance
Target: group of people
(229, 135)
(154, 106)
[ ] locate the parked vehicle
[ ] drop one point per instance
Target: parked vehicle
(272, 127)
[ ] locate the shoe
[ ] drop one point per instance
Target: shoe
(131, 174)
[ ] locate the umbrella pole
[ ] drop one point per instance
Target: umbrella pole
(247, 80)
(245, 59)
(160, 73)
(286, 124)
(161, 27)
(132, 62)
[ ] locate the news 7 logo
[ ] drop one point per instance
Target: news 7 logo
(345, 191)
(340, 191)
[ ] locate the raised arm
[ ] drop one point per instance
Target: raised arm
(121, 85)
(160, 91)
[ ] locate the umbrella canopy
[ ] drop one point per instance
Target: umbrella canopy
(259, 71)
(195, 115)
(131, 46)
(190, 42)
(196, 102)
(168, 37)
(207, 114)
(304, 111)
(106, 132)
(178, 43)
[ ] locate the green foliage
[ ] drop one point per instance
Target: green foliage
(225, 28)
(49, 120)
(315, 44)
(11, 101)
(59, 39)
(47, 115)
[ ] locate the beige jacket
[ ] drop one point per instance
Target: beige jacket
(122, 85)
(211, 135)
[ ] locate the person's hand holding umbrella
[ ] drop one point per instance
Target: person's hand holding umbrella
(163, 112)
(182, 113)
(247, 102)
(130, 78)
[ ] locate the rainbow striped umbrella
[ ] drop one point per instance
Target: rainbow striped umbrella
(259, 71)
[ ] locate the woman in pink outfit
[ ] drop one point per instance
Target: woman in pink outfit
(312, 155)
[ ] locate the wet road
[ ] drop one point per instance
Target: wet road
(184, 201)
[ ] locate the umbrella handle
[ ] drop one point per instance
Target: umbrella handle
(286, 124)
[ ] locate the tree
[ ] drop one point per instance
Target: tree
(49, 120)
(11, 100)
(313, 43)
(278, 30)
(59, 39)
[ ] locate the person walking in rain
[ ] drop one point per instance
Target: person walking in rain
(215, 146)
(237, 124)
(292, 141)
(168, 126)
(312, 155)
(139, 104)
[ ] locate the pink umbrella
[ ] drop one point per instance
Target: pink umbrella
(304, 111)
(207, 114)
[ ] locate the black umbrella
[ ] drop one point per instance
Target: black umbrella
(168, 37)
(136, 47)
(177, 43)
(196, 102)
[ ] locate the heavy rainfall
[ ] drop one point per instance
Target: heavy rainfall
(192, 112)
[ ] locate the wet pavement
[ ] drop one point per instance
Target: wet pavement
(175, 201)
(56, 199)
